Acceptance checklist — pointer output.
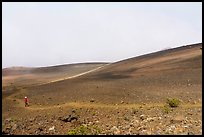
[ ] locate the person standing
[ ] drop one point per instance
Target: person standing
(26, 101)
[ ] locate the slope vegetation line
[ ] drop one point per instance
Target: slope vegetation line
(80, 74)
(100, 105)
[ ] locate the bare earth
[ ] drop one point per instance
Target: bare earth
(126, 97)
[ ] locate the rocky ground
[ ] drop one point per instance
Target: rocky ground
(126, 121)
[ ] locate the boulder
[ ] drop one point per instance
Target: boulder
(115, 130)
(52, 128)
(142, 117)
(40, 129)
(69, 118)
(92, 100)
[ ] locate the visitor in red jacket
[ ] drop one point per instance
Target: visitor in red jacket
(26, 101)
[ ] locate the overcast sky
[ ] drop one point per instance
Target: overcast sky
(46, 34)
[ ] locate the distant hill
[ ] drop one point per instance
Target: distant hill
(29, 76)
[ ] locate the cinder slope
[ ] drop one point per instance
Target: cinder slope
(185, 57)
(149, 78)
(23, 76)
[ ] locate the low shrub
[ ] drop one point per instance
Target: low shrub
(85, 130)
(173, 102)
(166, 109)
(72, 132)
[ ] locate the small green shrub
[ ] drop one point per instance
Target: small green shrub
(173, 102)
(13, 119)
(72, 132)
(166, 109)
(167, 133)
(83, 130)
(97, 130)
(94, 113)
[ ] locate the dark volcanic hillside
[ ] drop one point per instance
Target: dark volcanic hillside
(186, 57)
(148, 78)
(125, 97)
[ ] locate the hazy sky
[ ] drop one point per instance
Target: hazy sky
(44, 34)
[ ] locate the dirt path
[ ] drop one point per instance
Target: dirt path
(80, 74)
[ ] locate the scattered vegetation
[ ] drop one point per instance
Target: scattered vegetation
(85, 130)
(97, 130)
(167, 109)
(13, 119)
(173, 102)
(93, 113)
(167, 133)
(72, 132)
(78, 131)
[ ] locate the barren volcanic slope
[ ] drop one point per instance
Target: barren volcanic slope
(24, 76)
(126, 97)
